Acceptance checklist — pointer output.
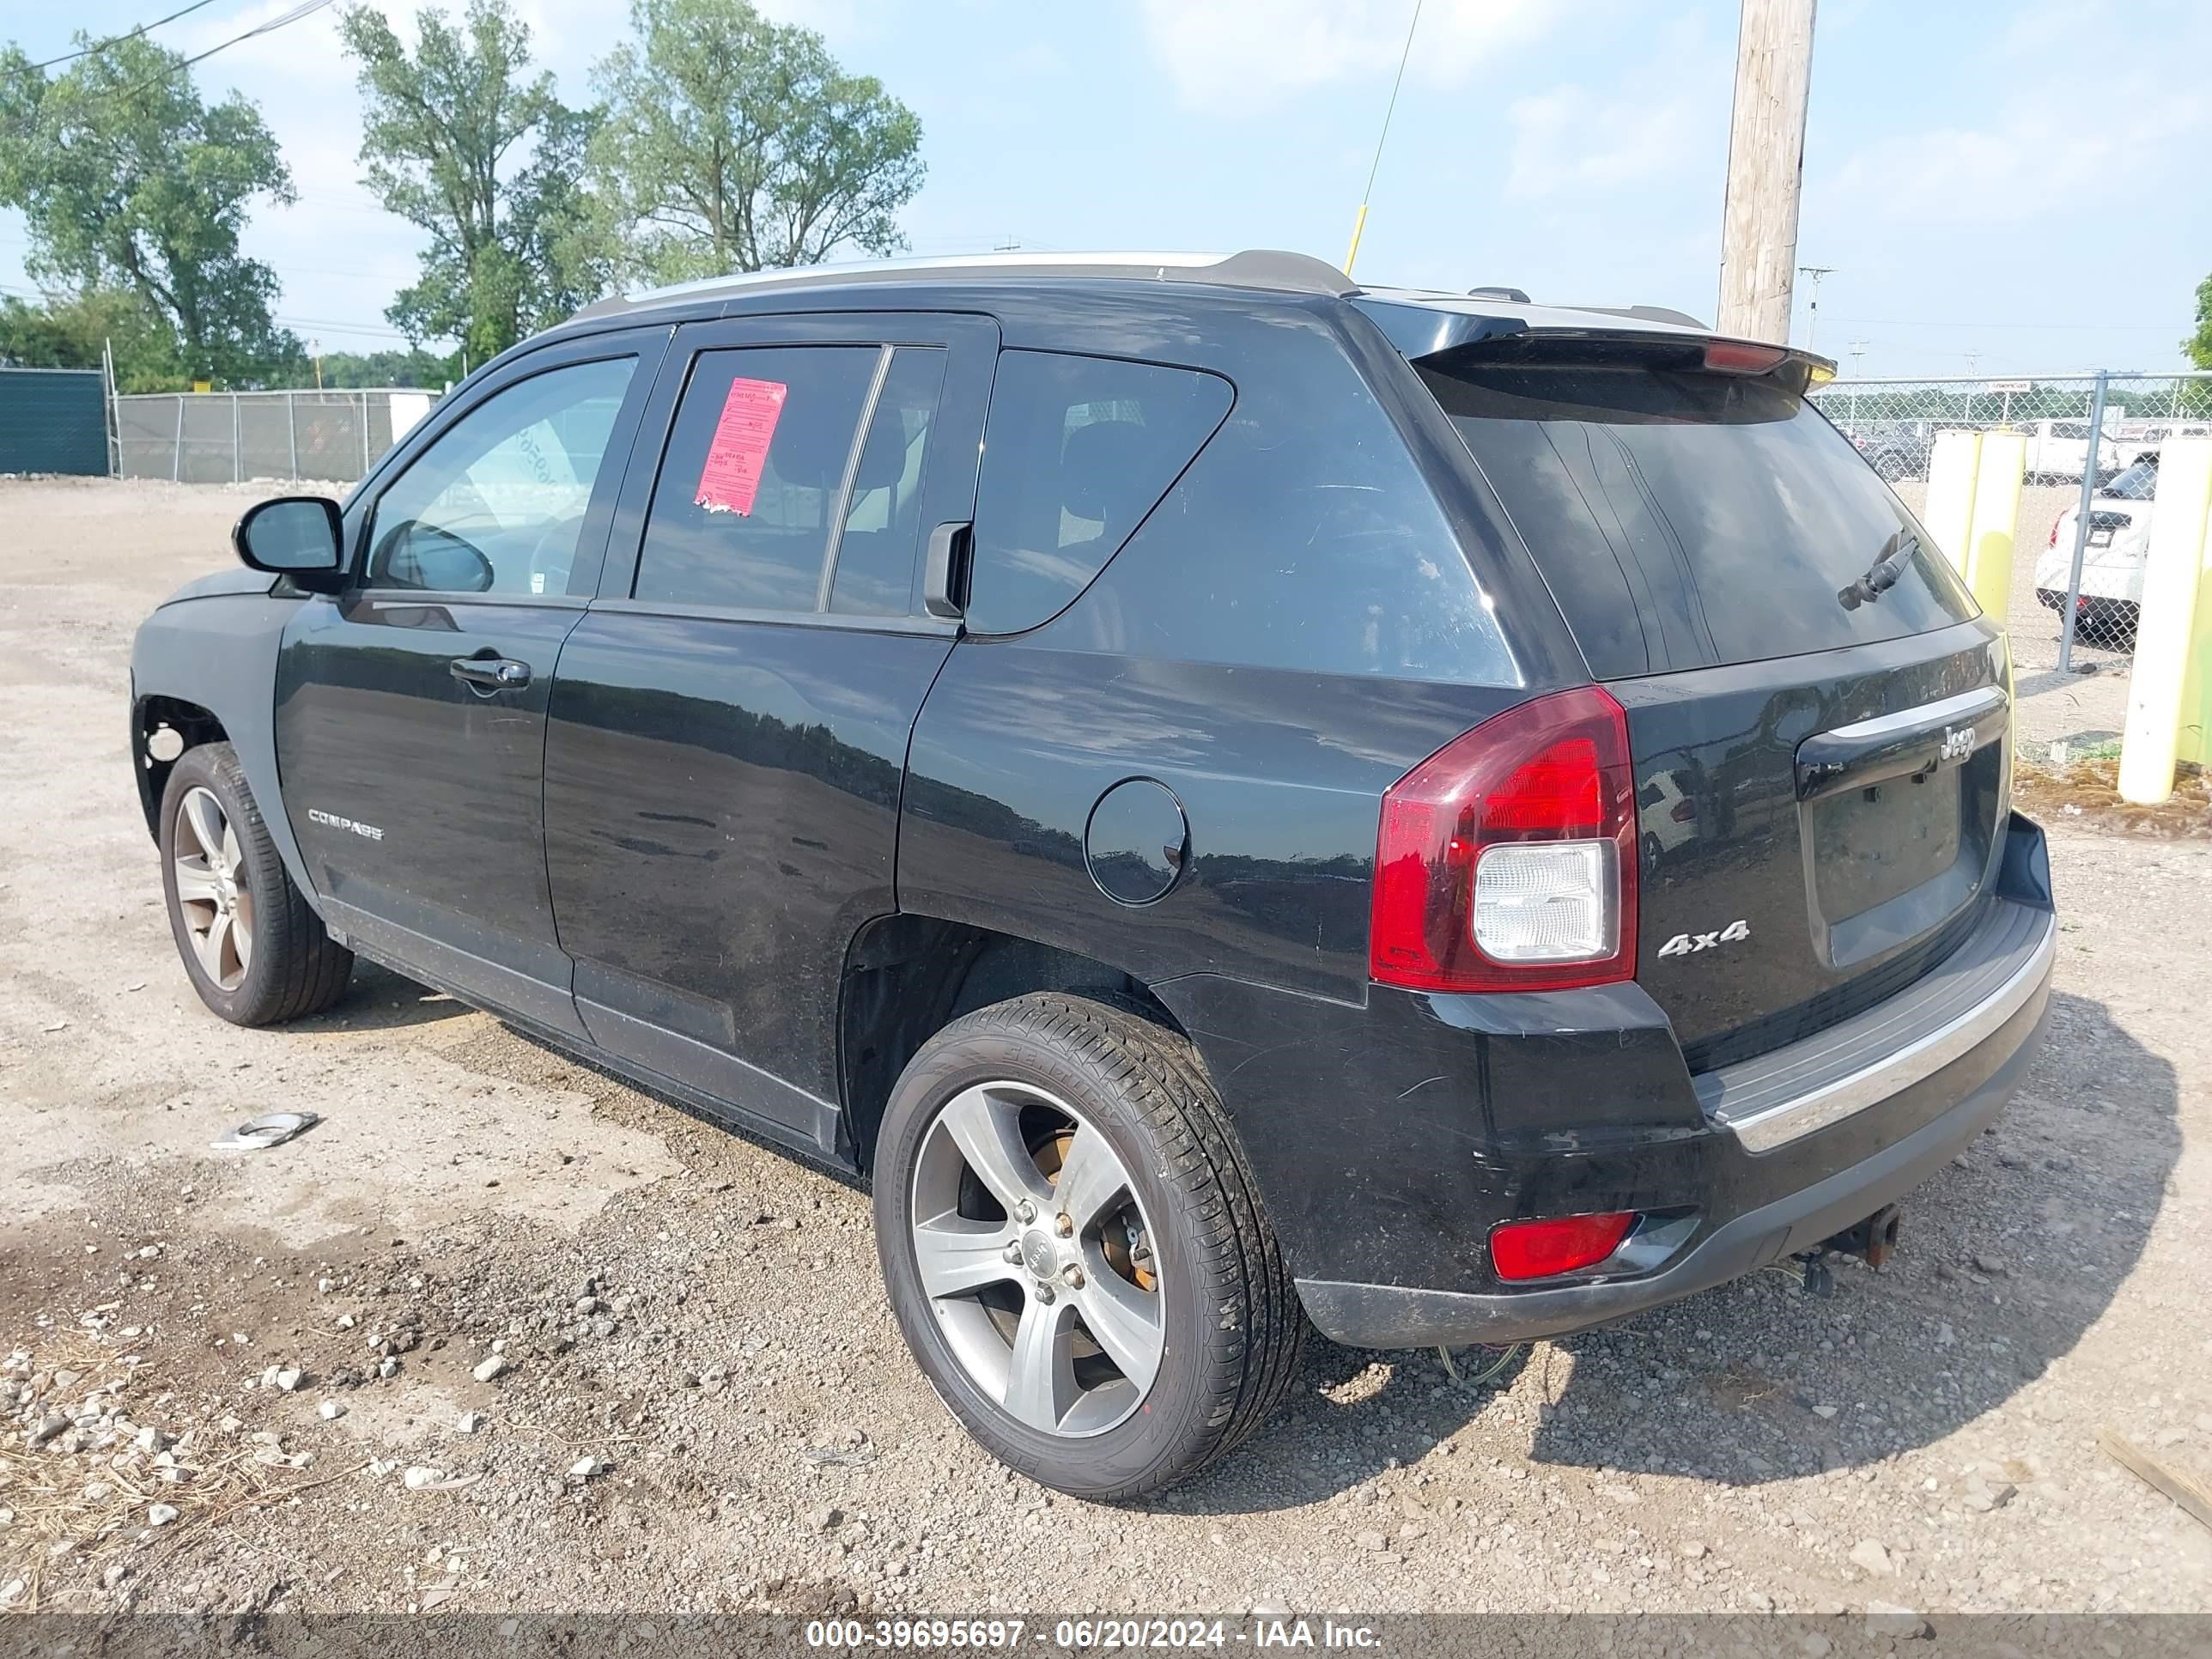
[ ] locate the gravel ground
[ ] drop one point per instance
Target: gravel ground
(503, 1334)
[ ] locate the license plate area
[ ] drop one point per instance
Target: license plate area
(1886, 863)
(1872, 845)
(2100, 539)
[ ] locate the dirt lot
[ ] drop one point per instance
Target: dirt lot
(704, 1403)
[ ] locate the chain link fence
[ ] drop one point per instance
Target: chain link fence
(231, 437)
(2086, 505)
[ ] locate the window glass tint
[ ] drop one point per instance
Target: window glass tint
(883, 524)
(1077, 450)
(497, 503)
(1304, 537)
(756, 460)
(1684, 520)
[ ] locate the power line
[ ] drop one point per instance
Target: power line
(283, 20)
(117, 40)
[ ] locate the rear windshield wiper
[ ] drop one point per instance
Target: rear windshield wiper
(1881, 575)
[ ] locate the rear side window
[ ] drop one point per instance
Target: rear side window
(1684, 520)
(755, 465)
(1077, 450)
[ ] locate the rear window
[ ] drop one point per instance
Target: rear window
(1685, 520)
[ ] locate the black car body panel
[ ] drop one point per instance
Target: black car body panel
(747, 852)
(211, 651)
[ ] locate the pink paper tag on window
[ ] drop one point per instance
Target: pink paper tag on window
(731, 478)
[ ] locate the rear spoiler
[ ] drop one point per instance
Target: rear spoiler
(1433, 337)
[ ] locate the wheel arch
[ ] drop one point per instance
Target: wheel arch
(907, 977)
(205, 667)
(152, 716)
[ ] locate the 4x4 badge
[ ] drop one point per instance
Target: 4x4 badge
(1683, 945)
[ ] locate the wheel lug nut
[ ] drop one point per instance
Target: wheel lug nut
(1072, 1276)
(1026, 1210)
(1064, 1225)
(1044, 1290)
(1012, 1253)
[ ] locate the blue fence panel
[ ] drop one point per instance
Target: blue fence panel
(53, 420)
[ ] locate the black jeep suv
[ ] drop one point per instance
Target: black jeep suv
(1236, 799)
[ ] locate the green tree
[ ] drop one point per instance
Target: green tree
(459, 139)
(126, 179)
(68, 331)
(731, 142)
(2199, 344)
(414, 367)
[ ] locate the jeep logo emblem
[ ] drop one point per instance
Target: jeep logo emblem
(1959, 743)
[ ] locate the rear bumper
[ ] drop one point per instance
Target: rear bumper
(1394, 1316)
(1583, 1104)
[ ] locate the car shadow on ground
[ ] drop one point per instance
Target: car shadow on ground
(2009, 1256)
(378, 999)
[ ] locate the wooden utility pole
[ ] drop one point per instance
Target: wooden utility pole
(1766, 163)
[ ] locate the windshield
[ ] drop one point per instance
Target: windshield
(1687, 519)
(2137, 483)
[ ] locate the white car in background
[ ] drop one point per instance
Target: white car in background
(2057, 450)
(2113, 559)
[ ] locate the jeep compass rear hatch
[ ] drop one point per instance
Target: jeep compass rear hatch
(1820, 745)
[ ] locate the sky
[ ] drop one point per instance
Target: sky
(1985, 207)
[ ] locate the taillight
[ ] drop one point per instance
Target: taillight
(2055, 523)
(1506, 861)
(1742, 357)
(1537, 1249)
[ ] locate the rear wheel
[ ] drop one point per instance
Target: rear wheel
(1074, 1250)
(254, 950)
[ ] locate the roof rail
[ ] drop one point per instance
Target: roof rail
(1513, 293)
(1257, 268)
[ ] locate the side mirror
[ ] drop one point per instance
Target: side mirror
(297, 535)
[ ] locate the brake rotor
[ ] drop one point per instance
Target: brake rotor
(1127, 1247)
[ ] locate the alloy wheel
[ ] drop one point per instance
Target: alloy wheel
(212, 897)
(1036, 1258)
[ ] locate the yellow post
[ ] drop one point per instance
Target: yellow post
(2171, 687)
(1996, 519)
(1949, 514)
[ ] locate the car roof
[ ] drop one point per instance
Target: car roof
(1264, 270)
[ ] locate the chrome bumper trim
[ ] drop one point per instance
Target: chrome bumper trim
(1767, 1128)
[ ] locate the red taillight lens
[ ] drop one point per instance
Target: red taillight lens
(1537, 1249)
(2055, 523)
(1741, 357)
(1506, 861)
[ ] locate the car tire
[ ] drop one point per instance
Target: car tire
(1030, 1078)
(253, 948)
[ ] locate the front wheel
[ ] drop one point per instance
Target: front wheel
(1075, 1250)
(253, 948)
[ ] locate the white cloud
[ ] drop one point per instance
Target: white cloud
(1240, 56)
(1669, 118)
(2019, 169)
(1570, 141)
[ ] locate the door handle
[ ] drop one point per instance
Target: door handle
(942, 578)
(491, 673)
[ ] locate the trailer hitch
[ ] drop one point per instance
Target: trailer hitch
(1874, 1239)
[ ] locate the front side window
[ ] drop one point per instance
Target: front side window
(497, 503)
(755, 469)
(1077, 452)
